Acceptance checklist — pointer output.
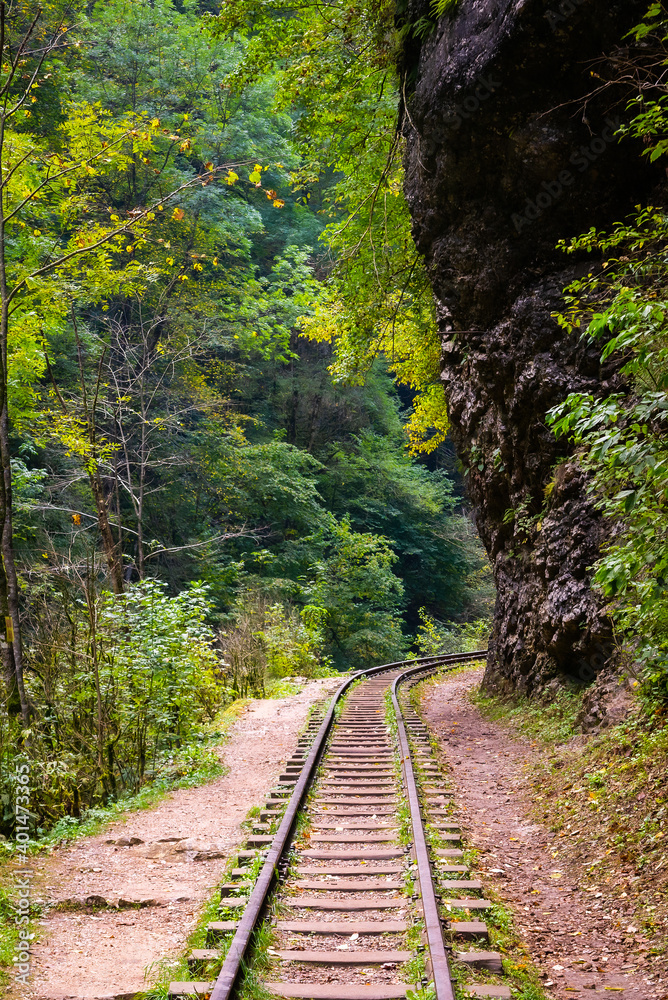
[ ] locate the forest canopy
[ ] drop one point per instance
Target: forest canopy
(202, 491)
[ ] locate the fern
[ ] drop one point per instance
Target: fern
(426, 26)
(440, 7)
(422, 28)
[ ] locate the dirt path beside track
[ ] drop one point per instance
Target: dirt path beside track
(180, 850)
(578, 934)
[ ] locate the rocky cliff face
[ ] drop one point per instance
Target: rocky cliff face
(504, 158)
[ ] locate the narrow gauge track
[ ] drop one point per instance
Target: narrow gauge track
(353, 899)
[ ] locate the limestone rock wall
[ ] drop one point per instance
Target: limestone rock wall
(504, 158)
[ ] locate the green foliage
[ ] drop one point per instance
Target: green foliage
(168, 421)
(10, 942)
(268, 640)
(383, 490)
(552, 722)
(621, 437)
(294, 641)
(433, 637)
(196, 436)
(622, 441)
(359, 597)
(340, 604)
(120, 687)
(440, 7)
(336, 67)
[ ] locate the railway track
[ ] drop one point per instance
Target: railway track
(355, 871)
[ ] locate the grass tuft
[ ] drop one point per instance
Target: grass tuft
(551, 724)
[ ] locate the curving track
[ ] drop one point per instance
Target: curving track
(362, 870)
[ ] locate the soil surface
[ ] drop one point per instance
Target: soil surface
(180, 851)
(584, 943)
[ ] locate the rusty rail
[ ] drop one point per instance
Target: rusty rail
(432, 920)
(253, 911)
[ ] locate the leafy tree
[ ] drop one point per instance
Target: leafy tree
(122, 414)
(348, 576)
(267, 640)
(382, 490)
(622, 436)
(336, 70)
(53, 241)
(434, 637)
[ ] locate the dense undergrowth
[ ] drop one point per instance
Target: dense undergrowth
(195, 763)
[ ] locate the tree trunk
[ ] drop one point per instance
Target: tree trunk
(313, 418)
(292, 417)
(12, 653)
(111, 552)
(142, 483)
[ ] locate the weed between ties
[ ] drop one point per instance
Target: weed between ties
(519, 971)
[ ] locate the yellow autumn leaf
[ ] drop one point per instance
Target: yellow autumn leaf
(177, 214)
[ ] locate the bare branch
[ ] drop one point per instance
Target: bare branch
(207, 541)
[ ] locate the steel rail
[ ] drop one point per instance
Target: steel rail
(432, 920)
(228, 975)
